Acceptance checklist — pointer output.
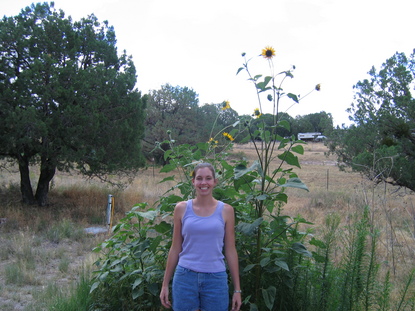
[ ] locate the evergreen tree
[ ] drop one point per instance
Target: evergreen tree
(381, 142)
(67, 100)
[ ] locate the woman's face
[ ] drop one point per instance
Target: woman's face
(203, 181)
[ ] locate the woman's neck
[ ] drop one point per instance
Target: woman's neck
(204, 201)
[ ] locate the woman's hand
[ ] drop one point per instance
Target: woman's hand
(236, 301)
(164, 297)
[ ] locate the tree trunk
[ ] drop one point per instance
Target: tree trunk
(25, 184)
(47, 171)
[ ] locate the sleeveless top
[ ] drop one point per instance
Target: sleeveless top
(203, 240)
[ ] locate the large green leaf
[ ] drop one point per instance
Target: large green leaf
(137, 282)
(269, 296)
(163, 227)
(298, 149)
(155, 243)
(94, 286)
(318, 243)
(262, 86)
(170, 178)
(281, 197)
(148, 214)
(242, 181)
(240, 170)
(293, 97)
(284, 124)
(247, 228)
(137, 292)
(301, 249)
(295, 183)
(202, 146)
(249, 267)
(282, 264)
(289, 158)
(264, 261)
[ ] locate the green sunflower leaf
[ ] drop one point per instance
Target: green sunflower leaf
(293, 97)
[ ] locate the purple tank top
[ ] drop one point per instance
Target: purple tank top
(203, 240)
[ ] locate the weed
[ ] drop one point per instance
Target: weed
(64, 230)
(17, 273)
(64, 265)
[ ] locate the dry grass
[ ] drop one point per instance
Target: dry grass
(392, 210)
(41, 246)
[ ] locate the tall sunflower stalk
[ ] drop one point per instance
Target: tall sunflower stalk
(271, 179)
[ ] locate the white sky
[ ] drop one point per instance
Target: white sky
(198, 44)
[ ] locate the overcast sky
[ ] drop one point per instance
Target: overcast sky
(198, 44)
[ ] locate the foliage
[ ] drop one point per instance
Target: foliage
(315, 122)
(131, 267)
(54, 298)
(282, 266)
(267, 120)
(67, 99)
(381, 142)
(270, 244)
(352, 284)
(176, 108)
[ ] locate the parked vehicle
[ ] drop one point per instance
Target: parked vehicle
(308, 136)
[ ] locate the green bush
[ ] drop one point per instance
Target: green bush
(132, 263)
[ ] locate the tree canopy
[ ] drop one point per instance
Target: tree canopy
(173, 112)
(170, 108)
(381, 143)
(315, 122)
(67, 100)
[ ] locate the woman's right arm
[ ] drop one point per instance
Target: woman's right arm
(173, 257)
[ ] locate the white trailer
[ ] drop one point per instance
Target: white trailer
(308, 136)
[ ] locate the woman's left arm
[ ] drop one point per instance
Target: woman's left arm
(231, 255)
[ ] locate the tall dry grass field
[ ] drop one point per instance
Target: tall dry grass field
(44, 250)
(392, 209)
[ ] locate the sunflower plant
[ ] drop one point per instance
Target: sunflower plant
(270, 245)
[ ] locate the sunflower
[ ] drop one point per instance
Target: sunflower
(228, 136)
(318, 87)
(225, 105)
(257, 113)
(213, 142)
(268, 52)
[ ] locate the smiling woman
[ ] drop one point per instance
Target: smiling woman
(203, 229)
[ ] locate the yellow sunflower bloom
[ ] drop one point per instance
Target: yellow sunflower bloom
(228, 136)
(257, 113)
(268, 52)
(212, 142)
(225, 105)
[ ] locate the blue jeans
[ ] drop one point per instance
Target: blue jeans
(200, 291)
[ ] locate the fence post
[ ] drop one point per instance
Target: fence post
(327, 186)
(109, 211)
